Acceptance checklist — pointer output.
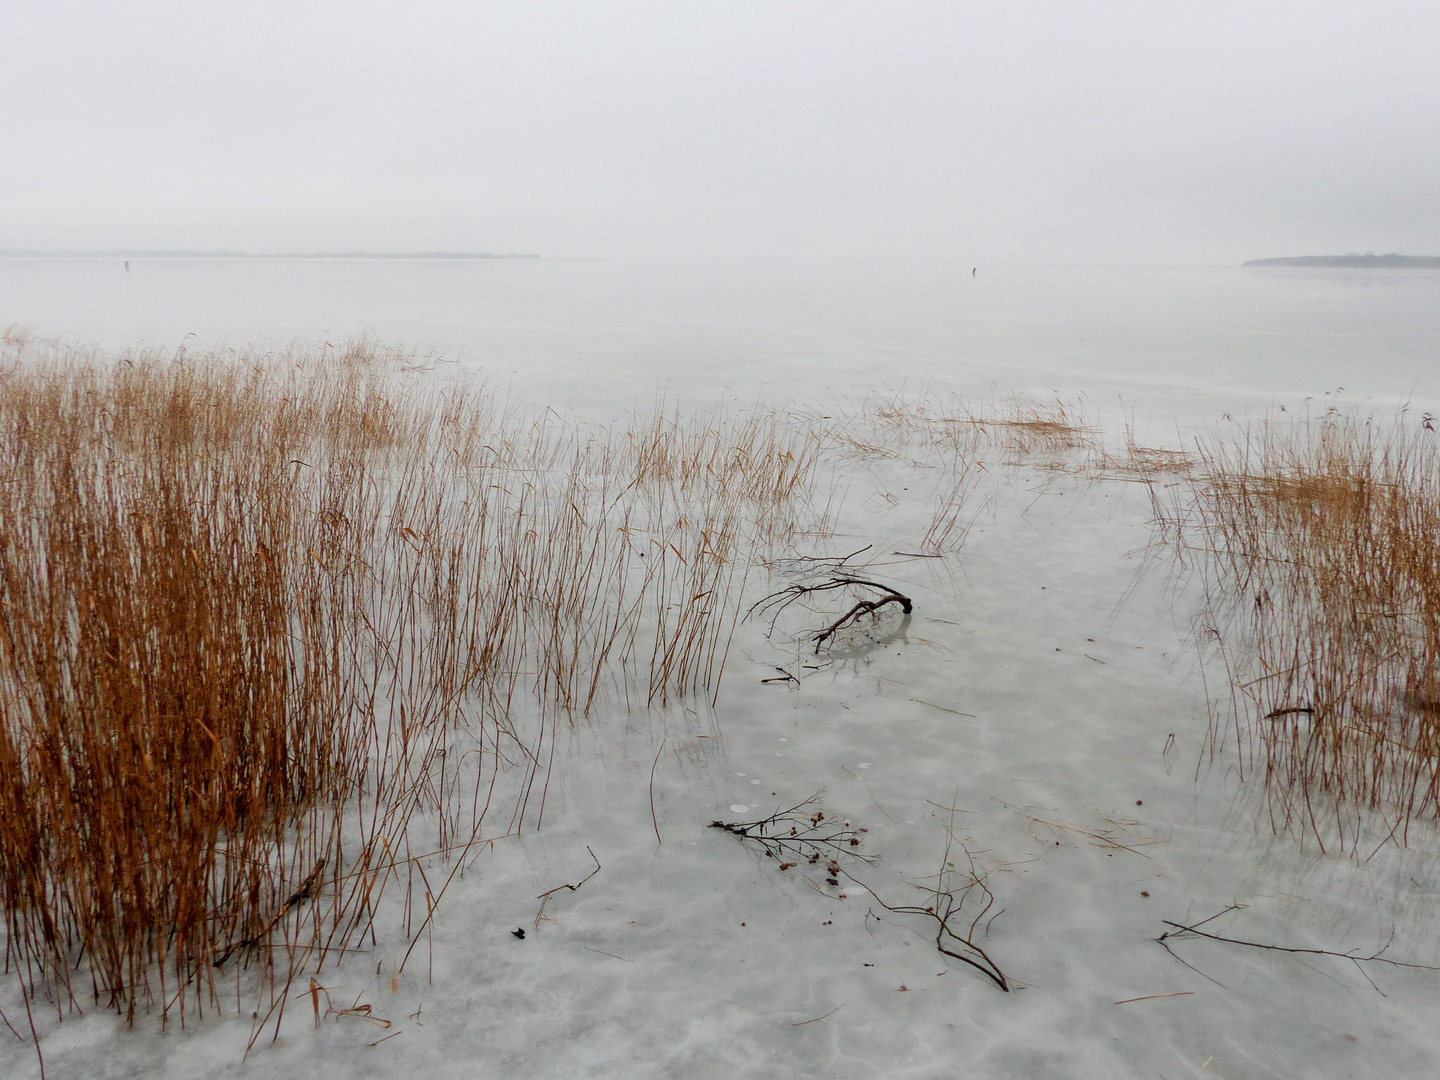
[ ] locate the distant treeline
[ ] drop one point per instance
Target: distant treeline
(1379, 262)
(25, 253)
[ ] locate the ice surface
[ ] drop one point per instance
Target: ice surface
(1046, 700)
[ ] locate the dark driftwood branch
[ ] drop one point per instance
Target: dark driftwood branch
(778, 601)
(862, 608)
(1377, 957)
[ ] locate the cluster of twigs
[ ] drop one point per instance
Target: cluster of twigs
(1144, 463)
(1026, 427)
(802, 834)
(902, 424)
(1317, 542)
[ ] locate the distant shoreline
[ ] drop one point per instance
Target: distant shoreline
(1376, 262)
(21, 253)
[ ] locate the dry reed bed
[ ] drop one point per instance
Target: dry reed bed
(1318, 543)
(278, 628)
(956, 440)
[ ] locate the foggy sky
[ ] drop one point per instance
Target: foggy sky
(974, 132)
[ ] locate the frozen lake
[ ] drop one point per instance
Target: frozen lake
(1046, 702)
(1190, 341)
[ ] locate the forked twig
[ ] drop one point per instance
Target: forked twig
(544, 897)
(784, 677)
(947, 905)
(837, 560)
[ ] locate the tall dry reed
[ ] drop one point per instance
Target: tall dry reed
(281, 630)
(1319, 543)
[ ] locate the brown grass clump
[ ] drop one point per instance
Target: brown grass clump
(278, 631)
(1321, 540)
(1144, 463)
(907, 426)
(1027, 428)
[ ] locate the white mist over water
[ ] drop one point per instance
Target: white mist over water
(1046, 688)
(595, 336)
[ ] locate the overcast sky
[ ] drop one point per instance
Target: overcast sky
(989, 132)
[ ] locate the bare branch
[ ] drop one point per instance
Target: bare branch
(809, 839)
(1181, 930)
(778, 601)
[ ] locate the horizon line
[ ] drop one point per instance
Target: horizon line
(133, 253)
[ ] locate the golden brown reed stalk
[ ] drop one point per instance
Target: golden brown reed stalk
(157, 744)
(1320, 545)
(271, 624)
